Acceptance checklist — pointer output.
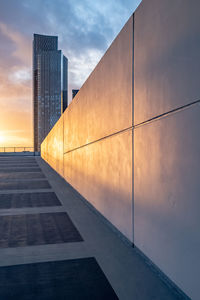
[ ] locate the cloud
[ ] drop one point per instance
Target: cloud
(82, 26)
(85, 29)
(15, 70)
(83, 65)
(22, 46)
(20, 76)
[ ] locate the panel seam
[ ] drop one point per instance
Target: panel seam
(100, 139)
(164, 115)
(133, 63)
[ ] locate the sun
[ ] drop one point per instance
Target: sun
(2, 138)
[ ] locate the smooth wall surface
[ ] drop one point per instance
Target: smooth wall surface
(166, 196)
(103, 105)
(52, 147)
(106, 154)
(167, 150)
(102, 171)
(98, 136)
(166, 56)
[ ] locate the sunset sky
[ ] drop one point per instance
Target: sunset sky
(85, 29)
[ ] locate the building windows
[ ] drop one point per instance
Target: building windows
(50, 79)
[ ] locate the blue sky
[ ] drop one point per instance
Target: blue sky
(85, 29)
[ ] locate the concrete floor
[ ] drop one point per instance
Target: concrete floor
(126, 271)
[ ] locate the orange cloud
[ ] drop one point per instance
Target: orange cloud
(15, 93)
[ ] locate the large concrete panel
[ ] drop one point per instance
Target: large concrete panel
(166, 56)
(102, 173)
(44, 149)
(166, 161)
(166, 196)
(52, 147)
(103, 105)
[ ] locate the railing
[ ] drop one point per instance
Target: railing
(16, 149)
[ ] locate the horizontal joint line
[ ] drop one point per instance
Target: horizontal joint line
(103, 138)
(166, 114)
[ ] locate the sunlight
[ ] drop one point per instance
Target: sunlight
(2, 139)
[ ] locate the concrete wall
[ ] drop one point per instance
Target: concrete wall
(52, 147)
(105, 152)
(167, 150)
(103, 105)
(98, 136)
(166, 56)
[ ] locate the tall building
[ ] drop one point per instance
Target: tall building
(74, 92)
(65, 83)
(50, 85)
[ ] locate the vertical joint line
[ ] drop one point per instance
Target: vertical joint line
(132, 129)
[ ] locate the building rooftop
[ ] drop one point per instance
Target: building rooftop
(50, 235)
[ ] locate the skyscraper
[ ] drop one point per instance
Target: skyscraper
(74, 92)
(50, 85)
(65, 83)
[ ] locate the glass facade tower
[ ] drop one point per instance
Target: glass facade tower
(50, 85)
(74, 92)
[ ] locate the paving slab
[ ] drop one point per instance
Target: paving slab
(21, 200)
(58, 247)
(69, 279)
(12, 161)
(8, 169)
(20, 175)
(16, 191)
(37, 229)
(31, 210)
(127, 271)
(21, 185)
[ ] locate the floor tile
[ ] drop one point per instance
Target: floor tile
(21, 200)
(37, 229)
(21, 175)
(78, 279)
(8, 169)
(24, 185)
